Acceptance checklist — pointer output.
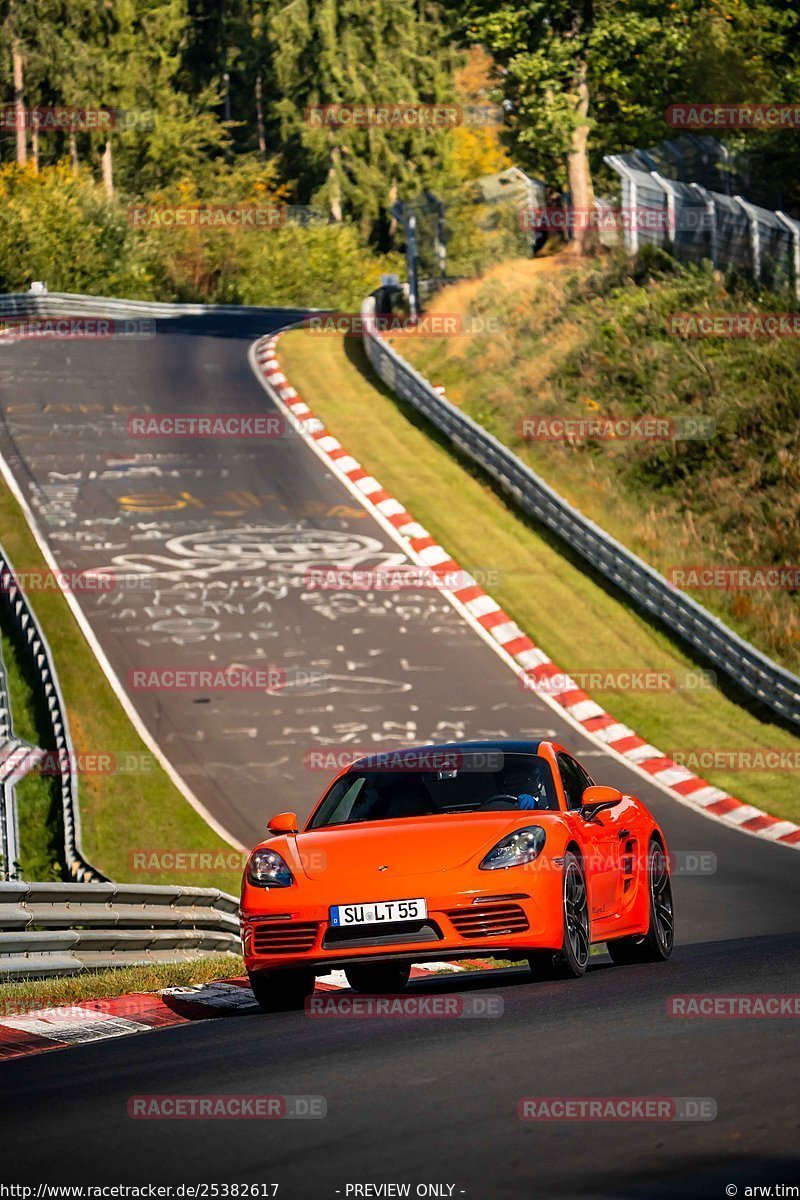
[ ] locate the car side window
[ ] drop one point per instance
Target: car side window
(586, 778)
(572, 777)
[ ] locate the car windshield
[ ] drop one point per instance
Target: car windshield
(491, 782)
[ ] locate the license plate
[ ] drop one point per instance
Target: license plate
(381, 912)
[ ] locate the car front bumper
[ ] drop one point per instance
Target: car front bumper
(507, 920)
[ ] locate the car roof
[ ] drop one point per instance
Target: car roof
(506, 745)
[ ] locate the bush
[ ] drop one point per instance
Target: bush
(63, 229)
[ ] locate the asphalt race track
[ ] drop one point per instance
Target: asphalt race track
(435, 1101)
(208, 543)
(224, 531)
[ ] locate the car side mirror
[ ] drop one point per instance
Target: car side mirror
(597, 798)
(283, 823)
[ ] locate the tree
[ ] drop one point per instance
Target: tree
(587, 77)
(564, 60)
(367, 53)
(477, 147)
(21, 27)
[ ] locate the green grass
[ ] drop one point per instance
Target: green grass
(38, 796)
(96, 985)
(121, 813)
(566, 611)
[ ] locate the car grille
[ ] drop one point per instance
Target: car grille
(489, 920)
(382, 935)
(288, 937)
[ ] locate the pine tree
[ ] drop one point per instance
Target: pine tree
(363, 52)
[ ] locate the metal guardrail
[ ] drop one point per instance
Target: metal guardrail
(17, 758)
(62, 928)
(9, 830)
(75, 304)
(754, 673)
(23, 618)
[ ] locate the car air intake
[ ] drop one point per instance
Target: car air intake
(290, 937)
(489, 920)
(395, 932)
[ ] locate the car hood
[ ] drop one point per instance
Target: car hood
(411, 846)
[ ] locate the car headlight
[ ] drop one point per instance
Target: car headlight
(266, 868)
(515, 849)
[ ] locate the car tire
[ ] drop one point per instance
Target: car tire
(576, 947)
(656, 945)
(282, 991)
(543, 963)
(378, 978)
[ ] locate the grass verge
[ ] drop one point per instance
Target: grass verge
(577, 341)
(576, 621)
(97, 985)
(41, 834)
(121, 813)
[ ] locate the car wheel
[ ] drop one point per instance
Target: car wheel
(543, 963)
(282, 991)
(574, 957)
(378, 977)
(656, 945)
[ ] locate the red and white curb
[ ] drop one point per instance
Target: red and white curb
(500, 631)
(37, 1030)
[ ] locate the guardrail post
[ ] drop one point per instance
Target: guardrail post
(630, 228)
(666, 185)
(755, 236)
(409, 222)
(794, 230)
(711, 212)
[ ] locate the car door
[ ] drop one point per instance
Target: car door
(602, 841)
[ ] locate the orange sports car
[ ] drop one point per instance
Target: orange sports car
(444, 852)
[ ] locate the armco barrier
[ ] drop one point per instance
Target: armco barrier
(57, 304)
(23, 619)
(62, 928)
(753, 672)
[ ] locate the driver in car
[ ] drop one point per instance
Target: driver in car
(528, 788)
